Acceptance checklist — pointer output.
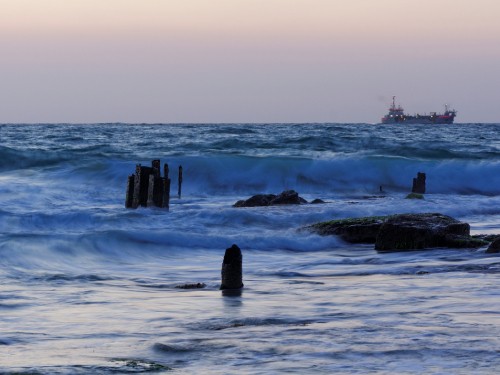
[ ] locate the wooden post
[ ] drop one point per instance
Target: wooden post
(419, 184)
(151, 187)
(232, 269)
(129, 197)
(166, 188)
(180, 182)
(136, 200)
(144, 195)
(165, 170)
(155, 164)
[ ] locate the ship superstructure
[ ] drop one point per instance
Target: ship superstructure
(396, 115)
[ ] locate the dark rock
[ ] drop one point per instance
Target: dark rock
(402, 232)
(191, 286)
(318, 201)
(360, 230)
(287, 197)
(422, 231)
(232, 269)
(256, 201)
(494, 246)
(419, 184)
(260, 200)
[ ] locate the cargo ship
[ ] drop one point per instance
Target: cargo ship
(396, 115)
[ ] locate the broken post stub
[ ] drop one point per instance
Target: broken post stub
(179, 190)
(232, 269)
(419, 184)
(147, 188)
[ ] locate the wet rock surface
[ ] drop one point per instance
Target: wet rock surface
(357, 230)
(260, 200)
(402, 232)
(191, 286)
(423, 231)
(494, 246)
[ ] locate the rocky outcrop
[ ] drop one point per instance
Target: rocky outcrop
(360, 230)
(423, 231)
(402, 232)
(494, 246)
(259, 200)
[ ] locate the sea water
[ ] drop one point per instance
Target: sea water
(87, 286)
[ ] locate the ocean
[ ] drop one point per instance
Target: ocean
(89, 287)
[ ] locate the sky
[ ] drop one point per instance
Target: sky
(205, 61)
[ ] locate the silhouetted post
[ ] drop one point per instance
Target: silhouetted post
(137, 187)
(419, 184)
(155, 164)
(232, 269)
(129, 197)
(180, 182)
(151, 189)
(166, 188)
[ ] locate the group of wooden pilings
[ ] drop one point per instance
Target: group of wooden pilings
(147, 188)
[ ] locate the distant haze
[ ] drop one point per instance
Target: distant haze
(88, 61)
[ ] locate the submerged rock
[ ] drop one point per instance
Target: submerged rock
(260, 200)
(191, 286)
(318, 201)
(494, 246)
(402, 232)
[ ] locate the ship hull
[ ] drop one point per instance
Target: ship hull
(417, 120)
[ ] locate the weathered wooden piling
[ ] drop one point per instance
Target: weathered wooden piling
(232, 269)
(129, 197)
(166, 188)
(419, 184)
(136, 200)
(151, 187)
(147, 188)
(179, 190)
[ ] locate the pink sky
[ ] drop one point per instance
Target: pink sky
(246, 60)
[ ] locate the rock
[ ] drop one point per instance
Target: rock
(361, 230)
(423, 231)
(260, 200)
(318, 201)
(191, 286)
(402, 232)
(287, 197)
(232, 269)
(494, 246)
(256, 201)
